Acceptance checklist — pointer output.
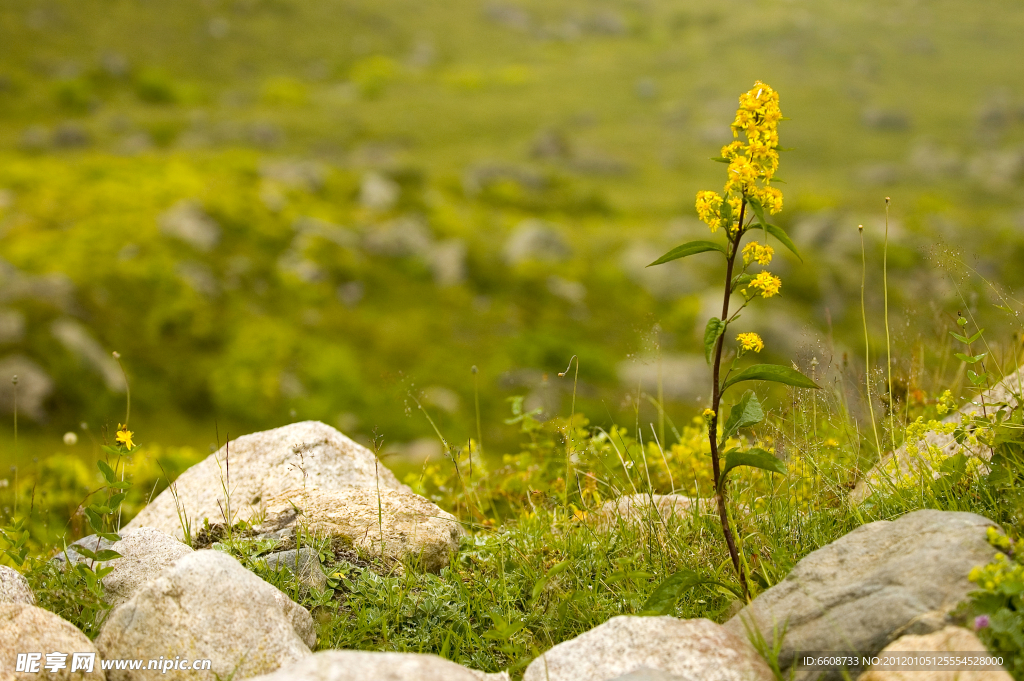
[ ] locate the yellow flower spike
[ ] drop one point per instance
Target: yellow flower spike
(124, 437)
(751, 341)
(709, 206)
(767, 284)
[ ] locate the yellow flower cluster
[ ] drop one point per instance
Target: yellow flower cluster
(768, 284)
(1000, 570)
(945, 403)
(755, 252)
(750, 341)
(752, 164)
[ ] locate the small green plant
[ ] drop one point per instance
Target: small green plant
(748, 186)
(997, 607)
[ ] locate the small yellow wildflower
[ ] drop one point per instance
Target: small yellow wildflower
(751, 341)
(754, 251)
(124, 436)
(742, 175)
(768, 284)
(709, 206)
(771, 199)
(708, 414)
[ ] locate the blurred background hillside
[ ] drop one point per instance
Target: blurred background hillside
(280, 210)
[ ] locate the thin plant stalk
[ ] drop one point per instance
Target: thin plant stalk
(716, 399)
(888, 347)
(867, 341)
(570, 450)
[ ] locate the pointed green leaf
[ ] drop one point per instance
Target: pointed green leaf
(107, 471)
(772, 372)
(756, 458)
(745, 413)
(668, 593)
(962, 339)
(784, 239)
(105, 555)
(714, 329)
(968, 359)
(111, 450)
(975, 336)
(720, 159)
(538, 588)
(758, 211)
(690, 248)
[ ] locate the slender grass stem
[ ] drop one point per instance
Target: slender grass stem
(888, 346)
(867, 341)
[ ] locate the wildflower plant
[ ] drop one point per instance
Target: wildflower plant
(742, 209)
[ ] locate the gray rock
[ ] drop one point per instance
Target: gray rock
(77, 340)
(28, 629)
(207, 606)
(146, 553)
(448, 262)
(12, 326)
(306, 175)
(378, 192)
(186, 220)
(305, 563)
(399, 238)
(661, 508)
(261, 465)
(14, 588)
(34, 387)
(399, 527)
(694, 650)
(648, 674)
(881, 581)
(359, 665)
(534, 239)
(900, 467)
(92, 542)
(71, 135)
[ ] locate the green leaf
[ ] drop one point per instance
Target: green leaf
(745, 413)
(968, 359)
(772, 372)
(714, 329)
(107, 471)
(538, 588)
(976, 336)
(784, 239)
(105, 555)
(962, 339)
(720, 159)
(690, 248)
(111, 450)
(756, 458)
(758, 211)
(668, 593)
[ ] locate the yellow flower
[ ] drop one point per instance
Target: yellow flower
(708, 414)
(768, 284)
(770, 198)
(733, 149)
(742, 175)
(754, 251)
(709, 206)
(124, 436)
(751, 341)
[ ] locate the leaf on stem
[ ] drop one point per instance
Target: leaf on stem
(755, 458)
(668, 593)
(714, 329)
(745, 413)
(771, 372)
(690, 248)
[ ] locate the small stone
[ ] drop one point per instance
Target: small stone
(948, 640)
(14, 588)
(691, 649)
(186, 220)
(305, 563)
(28, 629)
(378, 192)
(535, 239)
(660, 508)
(34, 387)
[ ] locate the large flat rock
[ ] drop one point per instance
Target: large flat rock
(884, 580)
(359, 665)
(28, 629)
(254, 467)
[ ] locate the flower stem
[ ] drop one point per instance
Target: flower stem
(716, 399)
(888, 348)
(867, 342)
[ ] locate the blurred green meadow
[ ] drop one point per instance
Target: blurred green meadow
(278, 211)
